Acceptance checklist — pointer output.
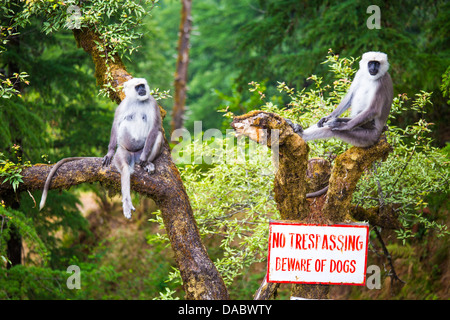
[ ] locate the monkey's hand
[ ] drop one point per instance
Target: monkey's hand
(322, 121)
(107, 159)
(337, 125)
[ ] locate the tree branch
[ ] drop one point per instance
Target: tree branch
(385, 217)
(348, 168)
(289, 184)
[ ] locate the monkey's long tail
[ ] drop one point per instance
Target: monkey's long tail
(50, 176)
(317, 193)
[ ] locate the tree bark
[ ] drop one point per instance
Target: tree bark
(181, 74)
(201, 280)
(291, 183)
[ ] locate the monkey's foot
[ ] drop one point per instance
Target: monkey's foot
(127, 208)
(150, 167)
(296, 127)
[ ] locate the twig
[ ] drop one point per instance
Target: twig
(380, 190)
(393, 274)
(404, 167)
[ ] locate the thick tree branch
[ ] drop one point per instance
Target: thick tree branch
(87, 39)
(348, 168)
(385, 217)
(266, 290)
(289, 184)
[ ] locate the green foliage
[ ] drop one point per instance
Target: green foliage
(213, 53)
(445, 86)
(8, 85)
(10, 170)
(29, 283)
(232, 203)
(25, 227)
(116, 268)
(115, 21)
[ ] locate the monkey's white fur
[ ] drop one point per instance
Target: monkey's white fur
(381, 57)
(131, 94)
(136, 128)
(370, 99)
(363, 84)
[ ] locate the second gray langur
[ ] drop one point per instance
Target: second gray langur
(370, 98)
(137, 134)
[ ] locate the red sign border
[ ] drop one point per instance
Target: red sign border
(349, 225)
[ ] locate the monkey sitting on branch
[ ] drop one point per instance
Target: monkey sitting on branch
(136, 133)
(370, 98)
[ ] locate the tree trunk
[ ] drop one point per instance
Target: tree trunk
(14, 247)
(181, 74)
(290, 184)
(14, 244)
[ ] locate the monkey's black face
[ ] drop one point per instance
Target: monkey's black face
(373, 66)
(140, 89)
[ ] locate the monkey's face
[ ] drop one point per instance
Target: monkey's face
(374, 64)
(137, 88)
(140, 89)
(373, 67)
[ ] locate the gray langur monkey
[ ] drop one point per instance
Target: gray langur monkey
(137, 134)
(370, 98)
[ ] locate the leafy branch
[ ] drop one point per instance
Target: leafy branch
(12, 171)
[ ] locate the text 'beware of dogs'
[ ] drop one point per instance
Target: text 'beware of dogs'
(326, 254)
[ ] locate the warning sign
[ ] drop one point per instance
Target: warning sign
(326, 254)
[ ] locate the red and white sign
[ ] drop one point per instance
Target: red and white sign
(326, 254)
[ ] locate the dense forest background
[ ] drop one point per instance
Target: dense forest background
(57, 111)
